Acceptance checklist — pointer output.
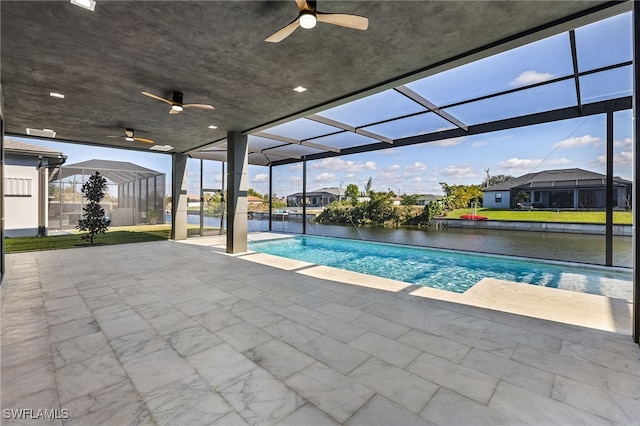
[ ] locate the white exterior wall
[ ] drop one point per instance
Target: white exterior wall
(489, 200)
(21, 213)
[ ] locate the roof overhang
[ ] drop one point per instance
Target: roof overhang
(214, 52)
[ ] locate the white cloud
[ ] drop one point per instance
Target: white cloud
(478, 144)
(338, 164)
(448, 142)
(350, 175)
(578, 141)
(459, 172)
(297, 166)
(387, 151)
(394, 167)
(416, 167)
(624, 142)
(624, 157)
(260, 177)
(325, 177)
(531, 77)
(519, 162)
(416, 179)
(514, 163)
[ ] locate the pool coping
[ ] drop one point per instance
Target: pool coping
(565, 306)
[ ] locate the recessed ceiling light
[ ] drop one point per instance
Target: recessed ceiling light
(85, 4)
(163, 148)
(300, 89)
(56, 95)
(213, 127)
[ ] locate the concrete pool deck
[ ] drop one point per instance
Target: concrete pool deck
(182, 333)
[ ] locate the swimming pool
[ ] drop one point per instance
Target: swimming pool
(444, 269)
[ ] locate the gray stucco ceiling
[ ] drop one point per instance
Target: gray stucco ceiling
(214, 52)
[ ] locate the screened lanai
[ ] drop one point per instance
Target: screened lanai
(296, 131)
(135, 195)
(584, 72)
(565, 76)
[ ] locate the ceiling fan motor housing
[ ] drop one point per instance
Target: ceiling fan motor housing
(177, 98)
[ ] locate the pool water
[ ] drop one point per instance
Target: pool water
(444, 269)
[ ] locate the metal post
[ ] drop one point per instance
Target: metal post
(636, 161)
(42, 199)
(609, 191)
(2, 266)
(222, 202)
(304, 196)
(61, 200)
(201, 199)
(270, 197)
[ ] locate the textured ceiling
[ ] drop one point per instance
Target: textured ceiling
(214, 52)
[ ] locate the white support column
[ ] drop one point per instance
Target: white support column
(179, 197)
(237, 185)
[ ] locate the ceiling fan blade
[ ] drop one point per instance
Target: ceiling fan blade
(142, 140)
(198, 106)
(283, 33)
(302, 5)
(343, 20)
(151, 95)
(109, 136)
(173, 111)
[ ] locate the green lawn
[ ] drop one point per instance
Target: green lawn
(119, 235)
(619, 217)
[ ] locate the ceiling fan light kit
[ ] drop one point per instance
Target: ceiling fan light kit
(129, 136)
(308, 16)
(307, 20)
(176, 103)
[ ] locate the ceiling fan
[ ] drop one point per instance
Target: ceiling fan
(176, 103)
(308, 15)
(129, 136)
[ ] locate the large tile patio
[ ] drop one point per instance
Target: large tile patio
(180, 333)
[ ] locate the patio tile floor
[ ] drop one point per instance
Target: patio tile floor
(174, 333)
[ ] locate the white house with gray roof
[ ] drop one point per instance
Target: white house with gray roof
(27, 171)
(557, 189)
(319, 198)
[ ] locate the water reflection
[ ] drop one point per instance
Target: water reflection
(581, 248)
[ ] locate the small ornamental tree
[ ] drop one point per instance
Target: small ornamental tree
(93, 220)
(352, 192)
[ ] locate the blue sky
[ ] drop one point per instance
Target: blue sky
(578, 143)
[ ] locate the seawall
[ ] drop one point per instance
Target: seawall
(573, 228)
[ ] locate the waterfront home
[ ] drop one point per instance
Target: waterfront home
(557, 189)
(319, 198)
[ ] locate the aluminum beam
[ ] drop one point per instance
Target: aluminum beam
(600, 107)
(296, 141)
(431, 106)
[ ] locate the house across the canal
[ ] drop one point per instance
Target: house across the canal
(558, 189)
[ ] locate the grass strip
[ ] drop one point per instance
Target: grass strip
(564, 216)
(119, 235)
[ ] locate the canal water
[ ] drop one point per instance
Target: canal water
(582, 248)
